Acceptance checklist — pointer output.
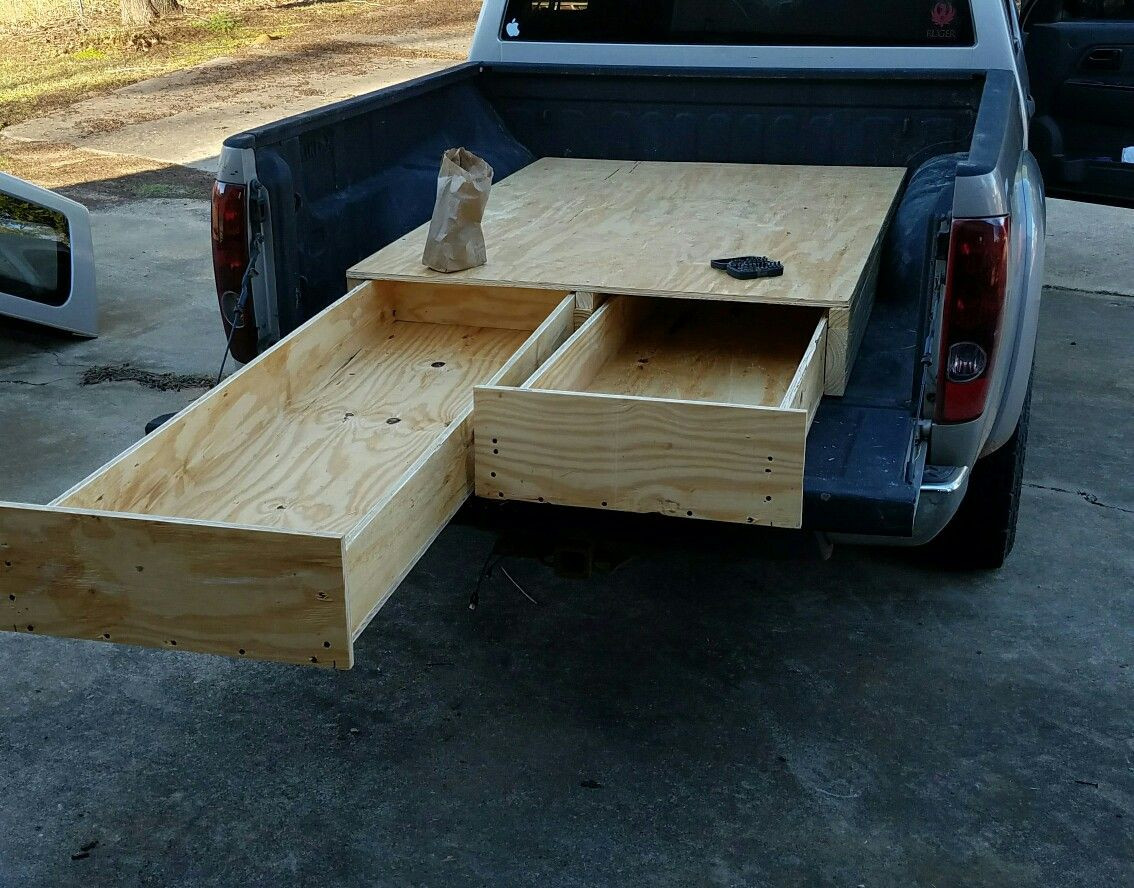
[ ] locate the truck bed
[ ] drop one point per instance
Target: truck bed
(346, 180)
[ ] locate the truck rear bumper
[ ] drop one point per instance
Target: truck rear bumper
(942, 489)
(867, 480)
(939, 496)
(864, 470)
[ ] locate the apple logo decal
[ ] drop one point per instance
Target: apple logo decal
(512, 29)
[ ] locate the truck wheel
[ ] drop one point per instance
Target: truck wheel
(981, 534)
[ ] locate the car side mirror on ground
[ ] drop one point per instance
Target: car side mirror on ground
(47, 273)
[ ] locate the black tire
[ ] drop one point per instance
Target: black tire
(981, 534)
(158, 421)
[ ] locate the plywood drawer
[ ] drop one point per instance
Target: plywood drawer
(690, 408)
(273, 517)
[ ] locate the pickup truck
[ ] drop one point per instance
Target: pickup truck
(978, 103)
(596, 369)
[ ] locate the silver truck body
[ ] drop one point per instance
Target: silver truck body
(1012, 186)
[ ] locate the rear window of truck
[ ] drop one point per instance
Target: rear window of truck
(742, 22)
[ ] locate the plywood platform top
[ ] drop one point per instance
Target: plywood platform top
(648, 228)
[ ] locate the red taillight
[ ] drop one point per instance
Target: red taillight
(975, 284)
(230, 261)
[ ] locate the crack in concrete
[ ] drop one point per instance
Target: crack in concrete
(1107, 293)
(59, 362)
(26, 382)
(1082, 494)
(18, 363)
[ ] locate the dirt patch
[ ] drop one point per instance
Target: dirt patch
(94, 126)
(162, 382)
(288, 68)
(98, 180)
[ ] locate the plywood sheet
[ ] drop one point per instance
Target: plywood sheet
(649, 228)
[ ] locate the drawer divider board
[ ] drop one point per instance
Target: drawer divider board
(591, 345)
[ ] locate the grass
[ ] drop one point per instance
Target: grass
(161, 190)
(220, 23)
(57, 59)
(44, 67)
(51, 80)
(17, 13)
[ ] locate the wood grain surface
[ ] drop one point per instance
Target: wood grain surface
(806, 390)
(698, 460)
(311, 444)
(400, 527)
(699, 351)
(274, 516)
(178, 585)
(649, 228)
(681, 407)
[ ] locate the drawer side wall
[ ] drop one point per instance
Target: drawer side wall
(383, 548)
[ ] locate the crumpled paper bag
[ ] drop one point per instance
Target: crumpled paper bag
(456, 241)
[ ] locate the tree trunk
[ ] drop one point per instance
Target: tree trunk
(142, 12)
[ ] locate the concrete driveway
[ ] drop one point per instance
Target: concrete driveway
(713, 717)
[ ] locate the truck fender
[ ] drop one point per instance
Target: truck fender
(1030, 222)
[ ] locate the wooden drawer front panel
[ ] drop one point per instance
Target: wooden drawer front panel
(698, 410)
(243, 592)
(717, 461)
